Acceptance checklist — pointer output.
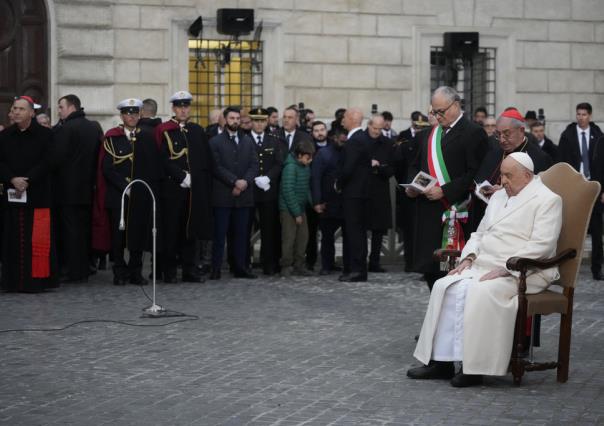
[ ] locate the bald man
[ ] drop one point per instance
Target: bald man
(472, 311)
(353, 181)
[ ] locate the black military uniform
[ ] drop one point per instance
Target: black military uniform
(129, 154)
(186, 192)
(266, 202)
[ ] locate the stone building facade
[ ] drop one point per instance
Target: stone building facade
(333, 53)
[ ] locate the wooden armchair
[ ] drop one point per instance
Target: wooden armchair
(578, 198)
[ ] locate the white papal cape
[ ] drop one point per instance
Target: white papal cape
(527, 225)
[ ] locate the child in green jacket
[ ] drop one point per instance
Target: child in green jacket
(294, 195)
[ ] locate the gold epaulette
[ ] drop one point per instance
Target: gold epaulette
(174, 155)
(117, 159)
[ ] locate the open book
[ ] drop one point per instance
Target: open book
(421, 182)
(481, 188)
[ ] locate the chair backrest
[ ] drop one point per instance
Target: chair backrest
(578, 198)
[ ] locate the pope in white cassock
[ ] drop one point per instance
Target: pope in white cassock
(472, 311)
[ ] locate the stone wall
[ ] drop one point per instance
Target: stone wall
(335, 53)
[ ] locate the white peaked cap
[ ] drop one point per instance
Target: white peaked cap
(524, 159)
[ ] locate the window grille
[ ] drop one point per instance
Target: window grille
(473, 77)
(223, 73)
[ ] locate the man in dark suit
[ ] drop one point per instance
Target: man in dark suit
(580, 147)
(462, 145)
(290, 134)
(235, 167)
(266, 190)
(328, 203)
(353, 180)
(545, 143)
(76, 148)
(388, 131)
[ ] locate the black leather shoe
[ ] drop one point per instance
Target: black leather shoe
(138, 280)
(466, 380)
(357, 278)
(377, 269)
(245, 274)
(344, 277)
(170, 279)
(119, 281)
(597, 276)
(336, 268)
(193, 278)
(324, 272)
(435, 370)
(215, 274)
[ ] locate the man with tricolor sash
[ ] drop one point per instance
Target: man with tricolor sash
(451, 152)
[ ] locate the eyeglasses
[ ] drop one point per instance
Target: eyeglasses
(441, 112)
(505, 135)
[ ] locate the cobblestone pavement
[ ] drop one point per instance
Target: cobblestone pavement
(269, 352)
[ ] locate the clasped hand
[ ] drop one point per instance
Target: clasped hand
(20, 183)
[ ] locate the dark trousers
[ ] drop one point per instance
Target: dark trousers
(312, 217)
(177, 244)
(121, 269)
(74, 237)
(376, 247)
(222, 222)
(405, 223)
(328, 227)
(355, 226)
(270, 234)
(595, 230)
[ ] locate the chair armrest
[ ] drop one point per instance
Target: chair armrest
(523, 263)
(441, 254)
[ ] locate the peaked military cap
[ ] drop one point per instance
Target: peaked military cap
(130, 105)
(259, 114)
(181, 98)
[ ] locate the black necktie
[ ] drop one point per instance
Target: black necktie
(585, 155)
(259, 141)
(233, 139)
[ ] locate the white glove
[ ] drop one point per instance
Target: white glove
(186, 182)
(263, 182)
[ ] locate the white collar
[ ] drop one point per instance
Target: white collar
(353, 131)
(455, 122)
(255, 135)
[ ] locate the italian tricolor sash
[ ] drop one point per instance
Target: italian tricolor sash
(454, 214)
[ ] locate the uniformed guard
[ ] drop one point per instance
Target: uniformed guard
(186, 189)
(266, 190)
(129, 153)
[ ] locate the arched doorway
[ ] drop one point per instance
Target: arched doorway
(23, 52)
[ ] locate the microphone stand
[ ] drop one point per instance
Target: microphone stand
(153, 310)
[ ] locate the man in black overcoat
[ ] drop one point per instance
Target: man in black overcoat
(186, 189)
(130, 153)
(266, 190)
(76, 149)
(382, 169)
(581, 146)
(463, 146)
(235, 168)
(354, 174)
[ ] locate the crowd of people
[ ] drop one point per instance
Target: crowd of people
(70, 200)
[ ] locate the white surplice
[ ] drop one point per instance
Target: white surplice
(526, 225)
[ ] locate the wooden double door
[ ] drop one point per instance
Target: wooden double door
(23, 53)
